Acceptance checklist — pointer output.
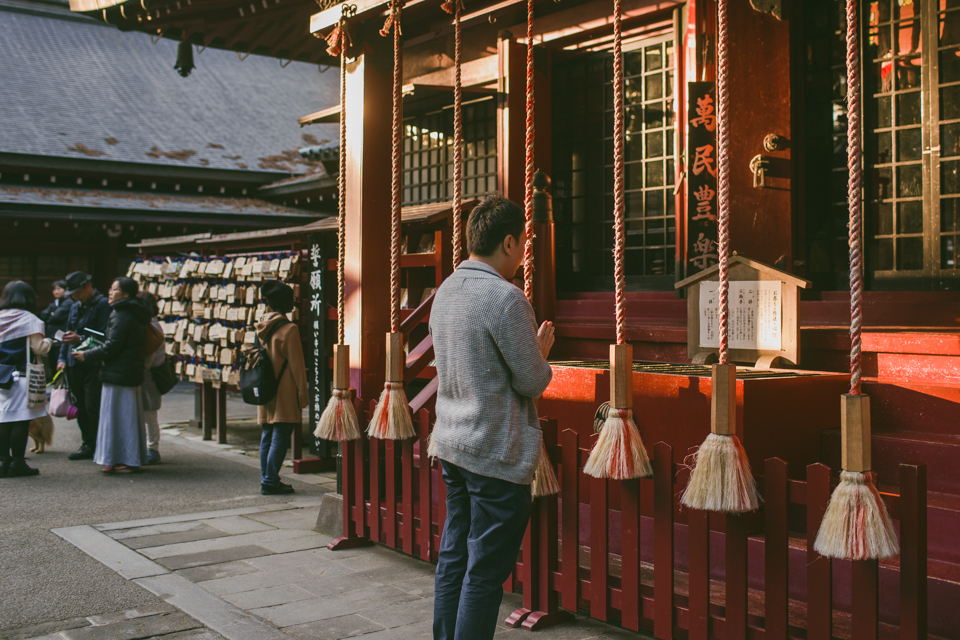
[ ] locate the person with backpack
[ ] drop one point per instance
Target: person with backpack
(282, 413)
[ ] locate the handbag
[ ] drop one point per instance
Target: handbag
(165, 375)
(61, 400)
(36, 382)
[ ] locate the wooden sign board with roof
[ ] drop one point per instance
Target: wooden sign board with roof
(764, 325)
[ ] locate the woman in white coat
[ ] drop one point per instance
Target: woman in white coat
(18, 328)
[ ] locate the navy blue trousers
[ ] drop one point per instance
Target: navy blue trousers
(274, 442)
(486, 520)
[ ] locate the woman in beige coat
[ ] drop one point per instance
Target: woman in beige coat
(279, 417)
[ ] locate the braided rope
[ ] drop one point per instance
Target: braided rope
(457, 138)
(854, 154)
(397, 176)
(723, 179)
(619, 227)
(342, 200)
(528, 174)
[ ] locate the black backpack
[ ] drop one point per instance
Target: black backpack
(258, 385)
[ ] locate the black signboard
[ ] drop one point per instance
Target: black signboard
(701, 177)
(316, 321)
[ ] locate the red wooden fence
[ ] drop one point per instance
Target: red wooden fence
(395, 496)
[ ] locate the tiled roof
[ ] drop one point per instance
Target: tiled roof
(77, 88)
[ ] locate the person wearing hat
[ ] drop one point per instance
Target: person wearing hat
(279, 417)
(90, 310)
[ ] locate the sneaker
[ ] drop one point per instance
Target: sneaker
(279, 490)
(153, 456)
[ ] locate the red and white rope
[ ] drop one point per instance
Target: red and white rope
(528, 175)
(723, 179)
(394, 21)
(457, 137)
(619, 226)
(342, 187)
(854, 156)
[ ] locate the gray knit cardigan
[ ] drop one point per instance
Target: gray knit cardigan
(490, 370)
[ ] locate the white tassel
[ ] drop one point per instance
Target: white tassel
(619, 453)
(339, 420)
(721, 479)
(391, 419)
(856, 525)
(544, 479)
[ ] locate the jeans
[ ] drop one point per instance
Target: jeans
(86, 387)
(486, 520)
(274, 442)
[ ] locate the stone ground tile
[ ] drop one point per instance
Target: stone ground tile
(266, 579)
(131, 614)
(291, 559)
(205, 515)
(422, 586)
(195, 634)
(401, 615)
(203, 532)
(333, 606)
(216, 544)
(269, 597)
(400, 572)
(217, 571)
(213, 557)
(315, 541)
(237, 524)
(173, 527)
(135, 629)
(298, 519)
(373, 558)
(410, 632)
(44, 629)
(333, 628)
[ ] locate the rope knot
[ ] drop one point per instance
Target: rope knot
(338, 38)
(393, 20)
(451, 6)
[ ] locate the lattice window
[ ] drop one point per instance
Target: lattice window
(583, 168)
(428, 153)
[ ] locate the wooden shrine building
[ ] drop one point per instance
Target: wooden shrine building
(788, 194)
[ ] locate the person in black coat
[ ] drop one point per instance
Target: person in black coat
(121, 437)
(55, 318)
(90, 310)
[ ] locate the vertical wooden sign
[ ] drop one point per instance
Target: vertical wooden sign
(701, 177)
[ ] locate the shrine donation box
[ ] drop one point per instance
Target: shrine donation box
(780, 412)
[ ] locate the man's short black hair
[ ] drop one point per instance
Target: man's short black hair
(60, 283)
(278, 295)
(490, 222)
(127, 286)
(18, 295)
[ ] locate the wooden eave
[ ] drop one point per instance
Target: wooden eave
(789, 278)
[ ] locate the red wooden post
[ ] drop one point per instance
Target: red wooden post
(698, 523)
(776, 549)
(374, 521)
(346, 470)
(390, 493)
(570, 492)
(598, 548)
(528, 577)
(406, 470)
(865, 599)
(736, 576)
(631, 602)
(913, 551)
(360, 485)
(663, 540)
(352, 509)
(426, 473)
(819, 570)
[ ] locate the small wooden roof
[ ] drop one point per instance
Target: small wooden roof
(753, 264)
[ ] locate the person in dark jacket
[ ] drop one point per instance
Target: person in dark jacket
(121, 437)
(55, 318)
(89, 311)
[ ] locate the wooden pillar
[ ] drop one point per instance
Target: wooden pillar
(221, 414)
(511, 118)
(369, 122)
(209, 409)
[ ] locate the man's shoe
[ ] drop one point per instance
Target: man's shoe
(4, 466)
(153, 456)
(19, 468)
(85, 452)
(278, 490)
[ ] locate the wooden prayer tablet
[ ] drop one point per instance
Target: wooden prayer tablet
(763, 322)
(191, 370)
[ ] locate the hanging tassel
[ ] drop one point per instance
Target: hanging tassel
(334, 43)
(721, 479)
(544, 479)
(619, 453)
(392, 21)
(392, 420)
(856, 525)
(451, 6)
(339, 420)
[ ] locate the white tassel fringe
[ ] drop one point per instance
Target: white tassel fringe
(544, 479)
(339, 420)
(721, 479)
(856, 525)
(391, 419)
(619, 453)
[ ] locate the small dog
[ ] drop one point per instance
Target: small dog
(41, 430)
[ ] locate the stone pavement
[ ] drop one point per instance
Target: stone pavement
(263, 573)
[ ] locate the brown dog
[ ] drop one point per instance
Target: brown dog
(41, 430)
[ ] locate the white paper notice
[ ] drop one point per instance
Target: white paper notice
(755, 315)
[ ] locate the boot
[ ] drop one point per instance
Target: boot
(4, 466)
(18, 468)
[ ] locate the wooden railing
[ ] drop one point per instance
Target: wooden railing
(420, 356)
(394, 495)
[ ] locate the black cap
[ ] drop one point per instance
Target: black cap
(75, 281)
